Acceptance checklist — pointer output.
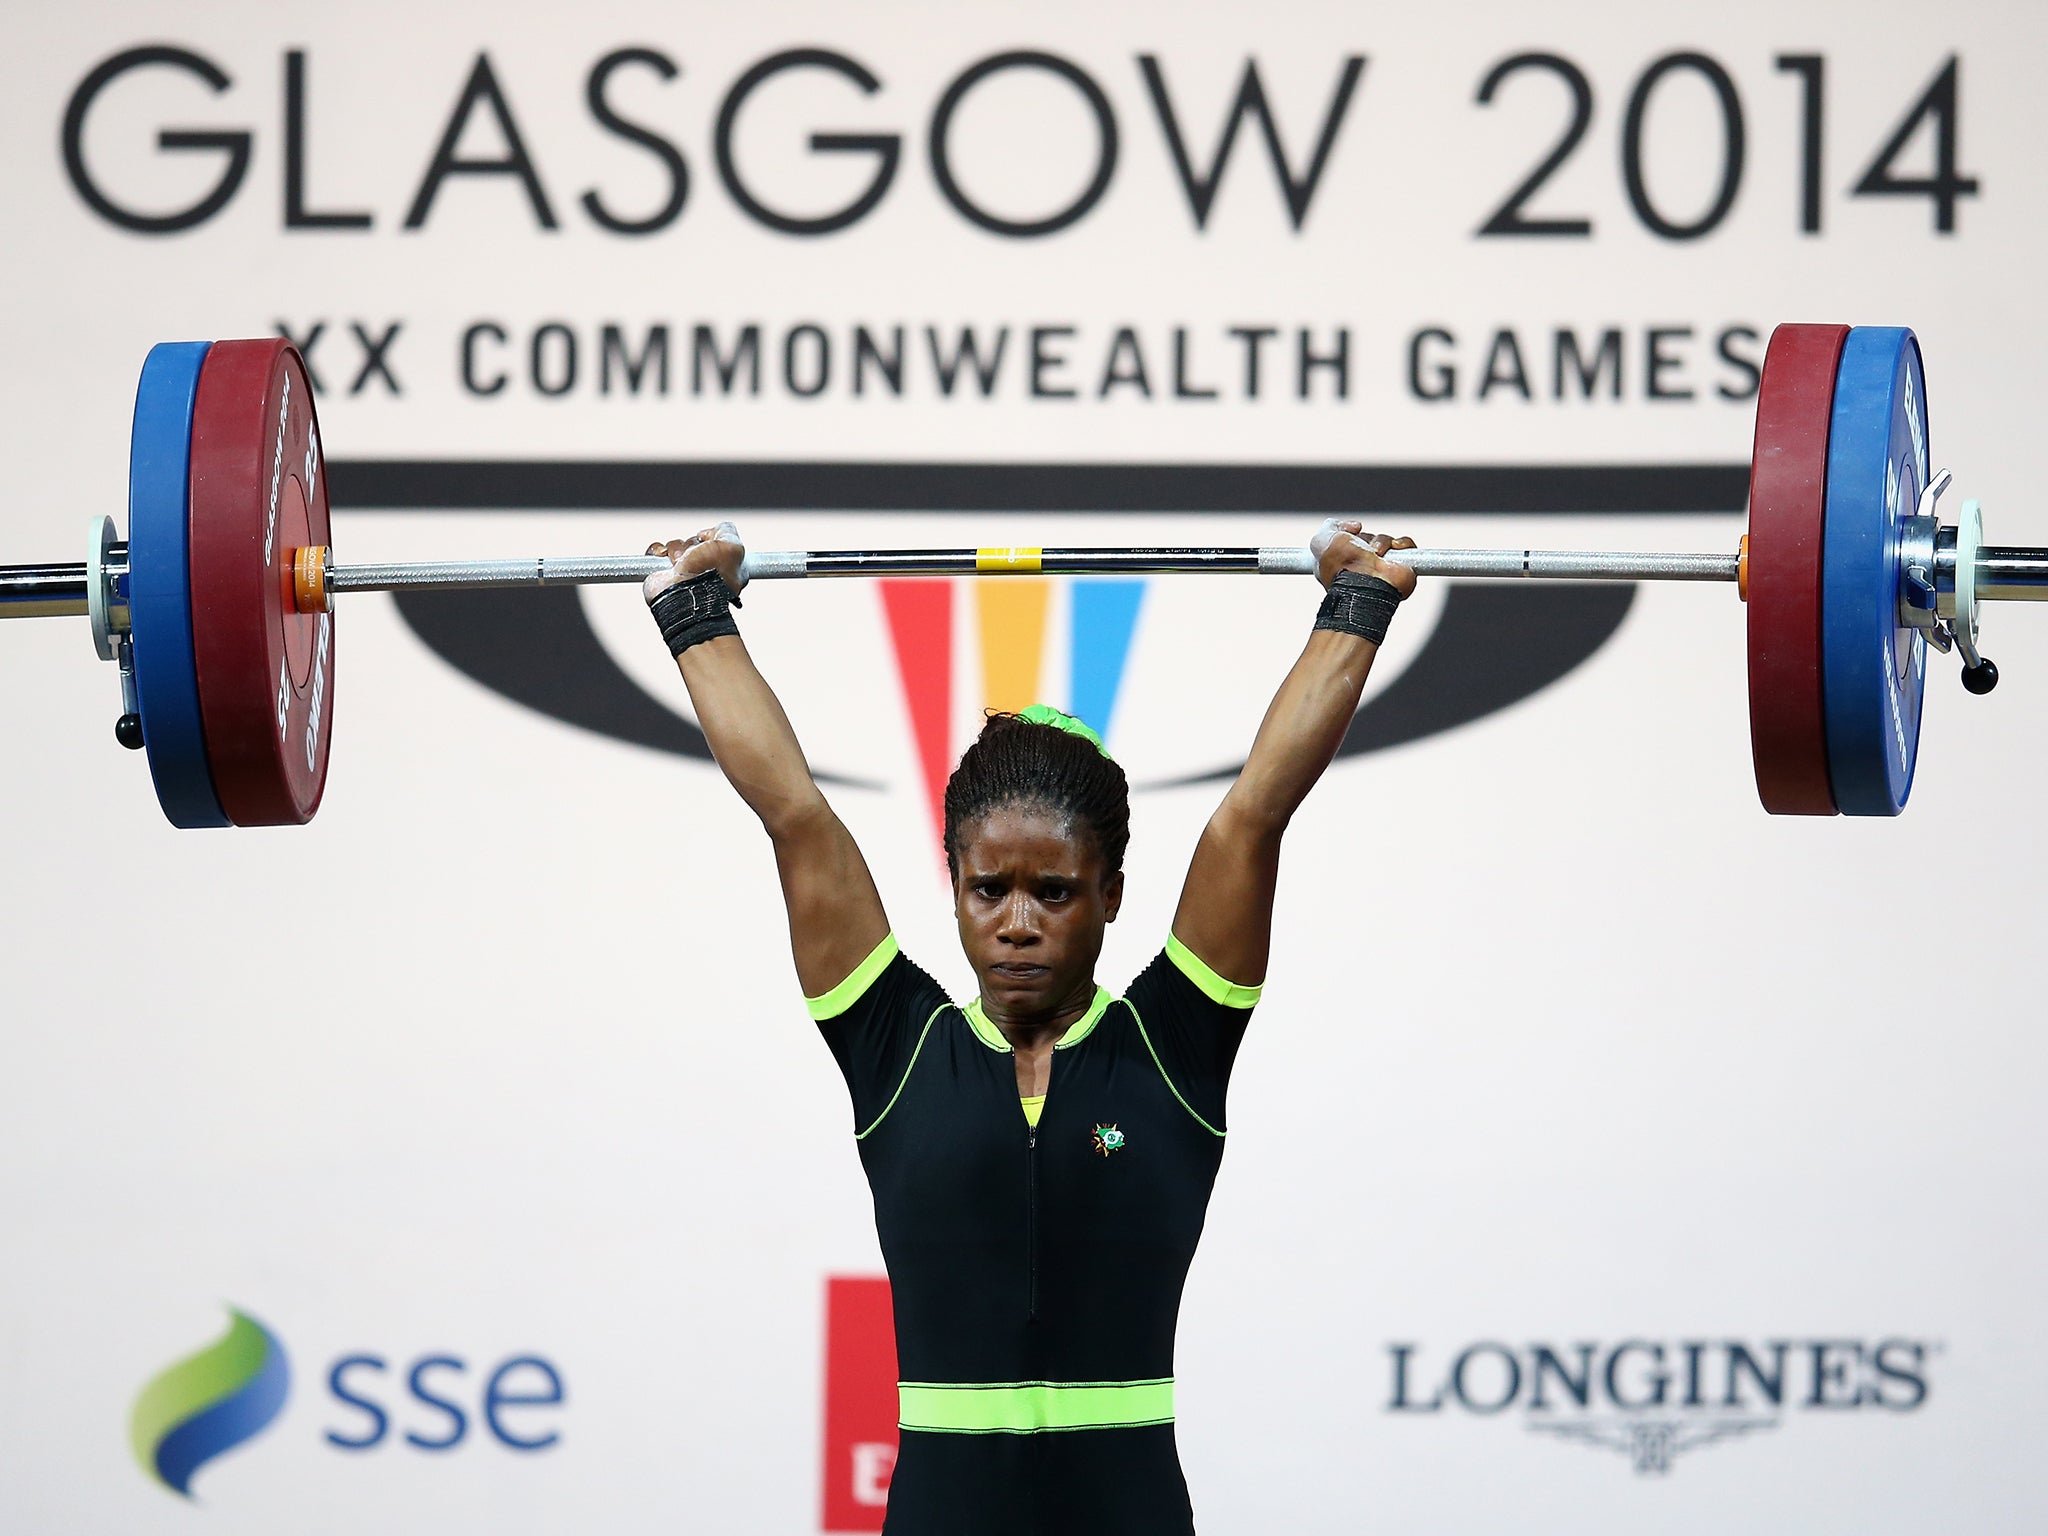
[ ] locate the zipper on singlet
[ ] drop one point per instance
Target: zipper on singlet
(1031, 1223)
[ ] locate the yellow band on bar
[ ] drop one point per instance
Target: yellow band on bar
(1033, 1407)
(995, 560)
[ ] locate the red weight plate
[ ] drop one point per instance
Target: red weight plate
(1788, 477)
(266, 671)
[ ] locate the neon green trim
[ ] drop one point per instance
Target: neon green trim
(1079, 1030)
(1060, 720)
(1033, 1108)
(1032, 1407)
(984, 1031)
(918, 1051)
(1214, 987)
(1084, 1026)
(1145, 1035)
(851, 990)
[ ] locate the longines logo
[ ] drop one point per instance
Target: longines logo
(1654, 1399)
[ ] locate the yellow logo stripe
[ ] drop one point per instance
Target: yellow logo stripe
(1012, 623)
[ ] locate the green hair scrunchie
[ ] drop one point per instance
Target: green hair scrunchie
(1045, 714)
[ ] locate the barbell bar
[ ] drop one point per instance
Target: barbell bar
(1264, 560)
(2003, 573)
(61, 591)
(218, 607)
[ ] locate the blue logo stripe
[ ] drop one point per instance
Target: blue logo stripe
(1105, 617)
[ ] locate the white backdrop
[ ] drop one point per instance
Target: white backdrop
(1566, 1043)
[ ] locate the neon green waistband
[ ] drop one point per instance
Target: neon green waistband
(1032, 1407)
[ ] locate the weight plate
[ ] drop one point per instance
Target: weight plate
(266, 671)
(1873, 670)
(1788, 474)
(160, 610)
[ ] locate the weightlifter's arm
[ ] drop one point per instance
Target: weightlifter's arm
(1226, 908)
(835, 913)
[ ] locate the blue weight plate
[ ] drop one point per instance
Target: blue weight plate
(160, 598)
(1873, 672)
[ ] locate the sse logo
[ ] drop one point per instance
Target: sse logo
(208, 1403)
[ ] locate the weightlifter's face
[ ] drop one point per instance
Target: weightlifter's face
(1032, 899)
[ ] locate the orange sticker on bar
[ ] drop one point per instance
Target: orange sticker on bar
(997, 560)
(309, 578)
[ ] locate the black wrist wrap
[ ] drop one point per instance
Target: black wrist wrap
(693, 611)
(1358, 605)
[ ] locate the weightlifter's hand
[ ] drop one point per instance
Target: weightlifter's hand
(709, 549)
(1344, 545)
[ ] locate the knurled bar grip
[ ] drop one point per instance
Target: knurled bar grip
(760, 565)
(770, 565)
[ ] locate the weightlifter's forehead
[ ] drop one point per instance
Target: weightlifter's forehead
(1030, 838)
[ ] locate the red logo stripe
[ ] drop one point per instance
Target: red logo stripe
(921, 629)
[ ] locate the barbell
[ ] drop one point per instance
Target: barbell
(218, 607)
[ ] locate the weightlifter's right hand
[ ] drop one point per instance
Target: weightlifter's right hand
(709, 549)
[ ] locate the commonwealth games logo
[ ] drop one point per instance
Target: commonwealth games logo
(1493, 644)
(209, 1403)
(1011, 617)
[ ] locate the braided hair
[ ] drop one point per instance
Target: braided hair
(1018, 762)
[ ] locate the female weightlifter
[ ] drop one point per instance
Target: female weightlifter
(1041, 1158)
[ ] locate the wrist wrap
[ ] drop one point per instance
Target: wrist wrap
(693, 611)
(1358, 605)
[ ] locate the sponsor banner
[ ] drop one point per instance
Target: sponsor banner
(860, 1403)
(465, 1159)
(1654, 1400)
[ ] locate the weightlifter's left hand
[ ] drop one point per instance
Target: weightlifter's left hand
(1342, 544)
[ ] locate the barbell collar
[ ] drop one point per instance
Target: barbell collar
(106, 588)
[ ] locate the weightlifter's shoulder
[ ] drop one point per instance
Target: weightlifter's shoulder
(887, 984)
(1179, 979)
(872, 1023)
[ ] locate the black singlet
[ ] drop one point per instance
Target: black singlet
(1037, 1272)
